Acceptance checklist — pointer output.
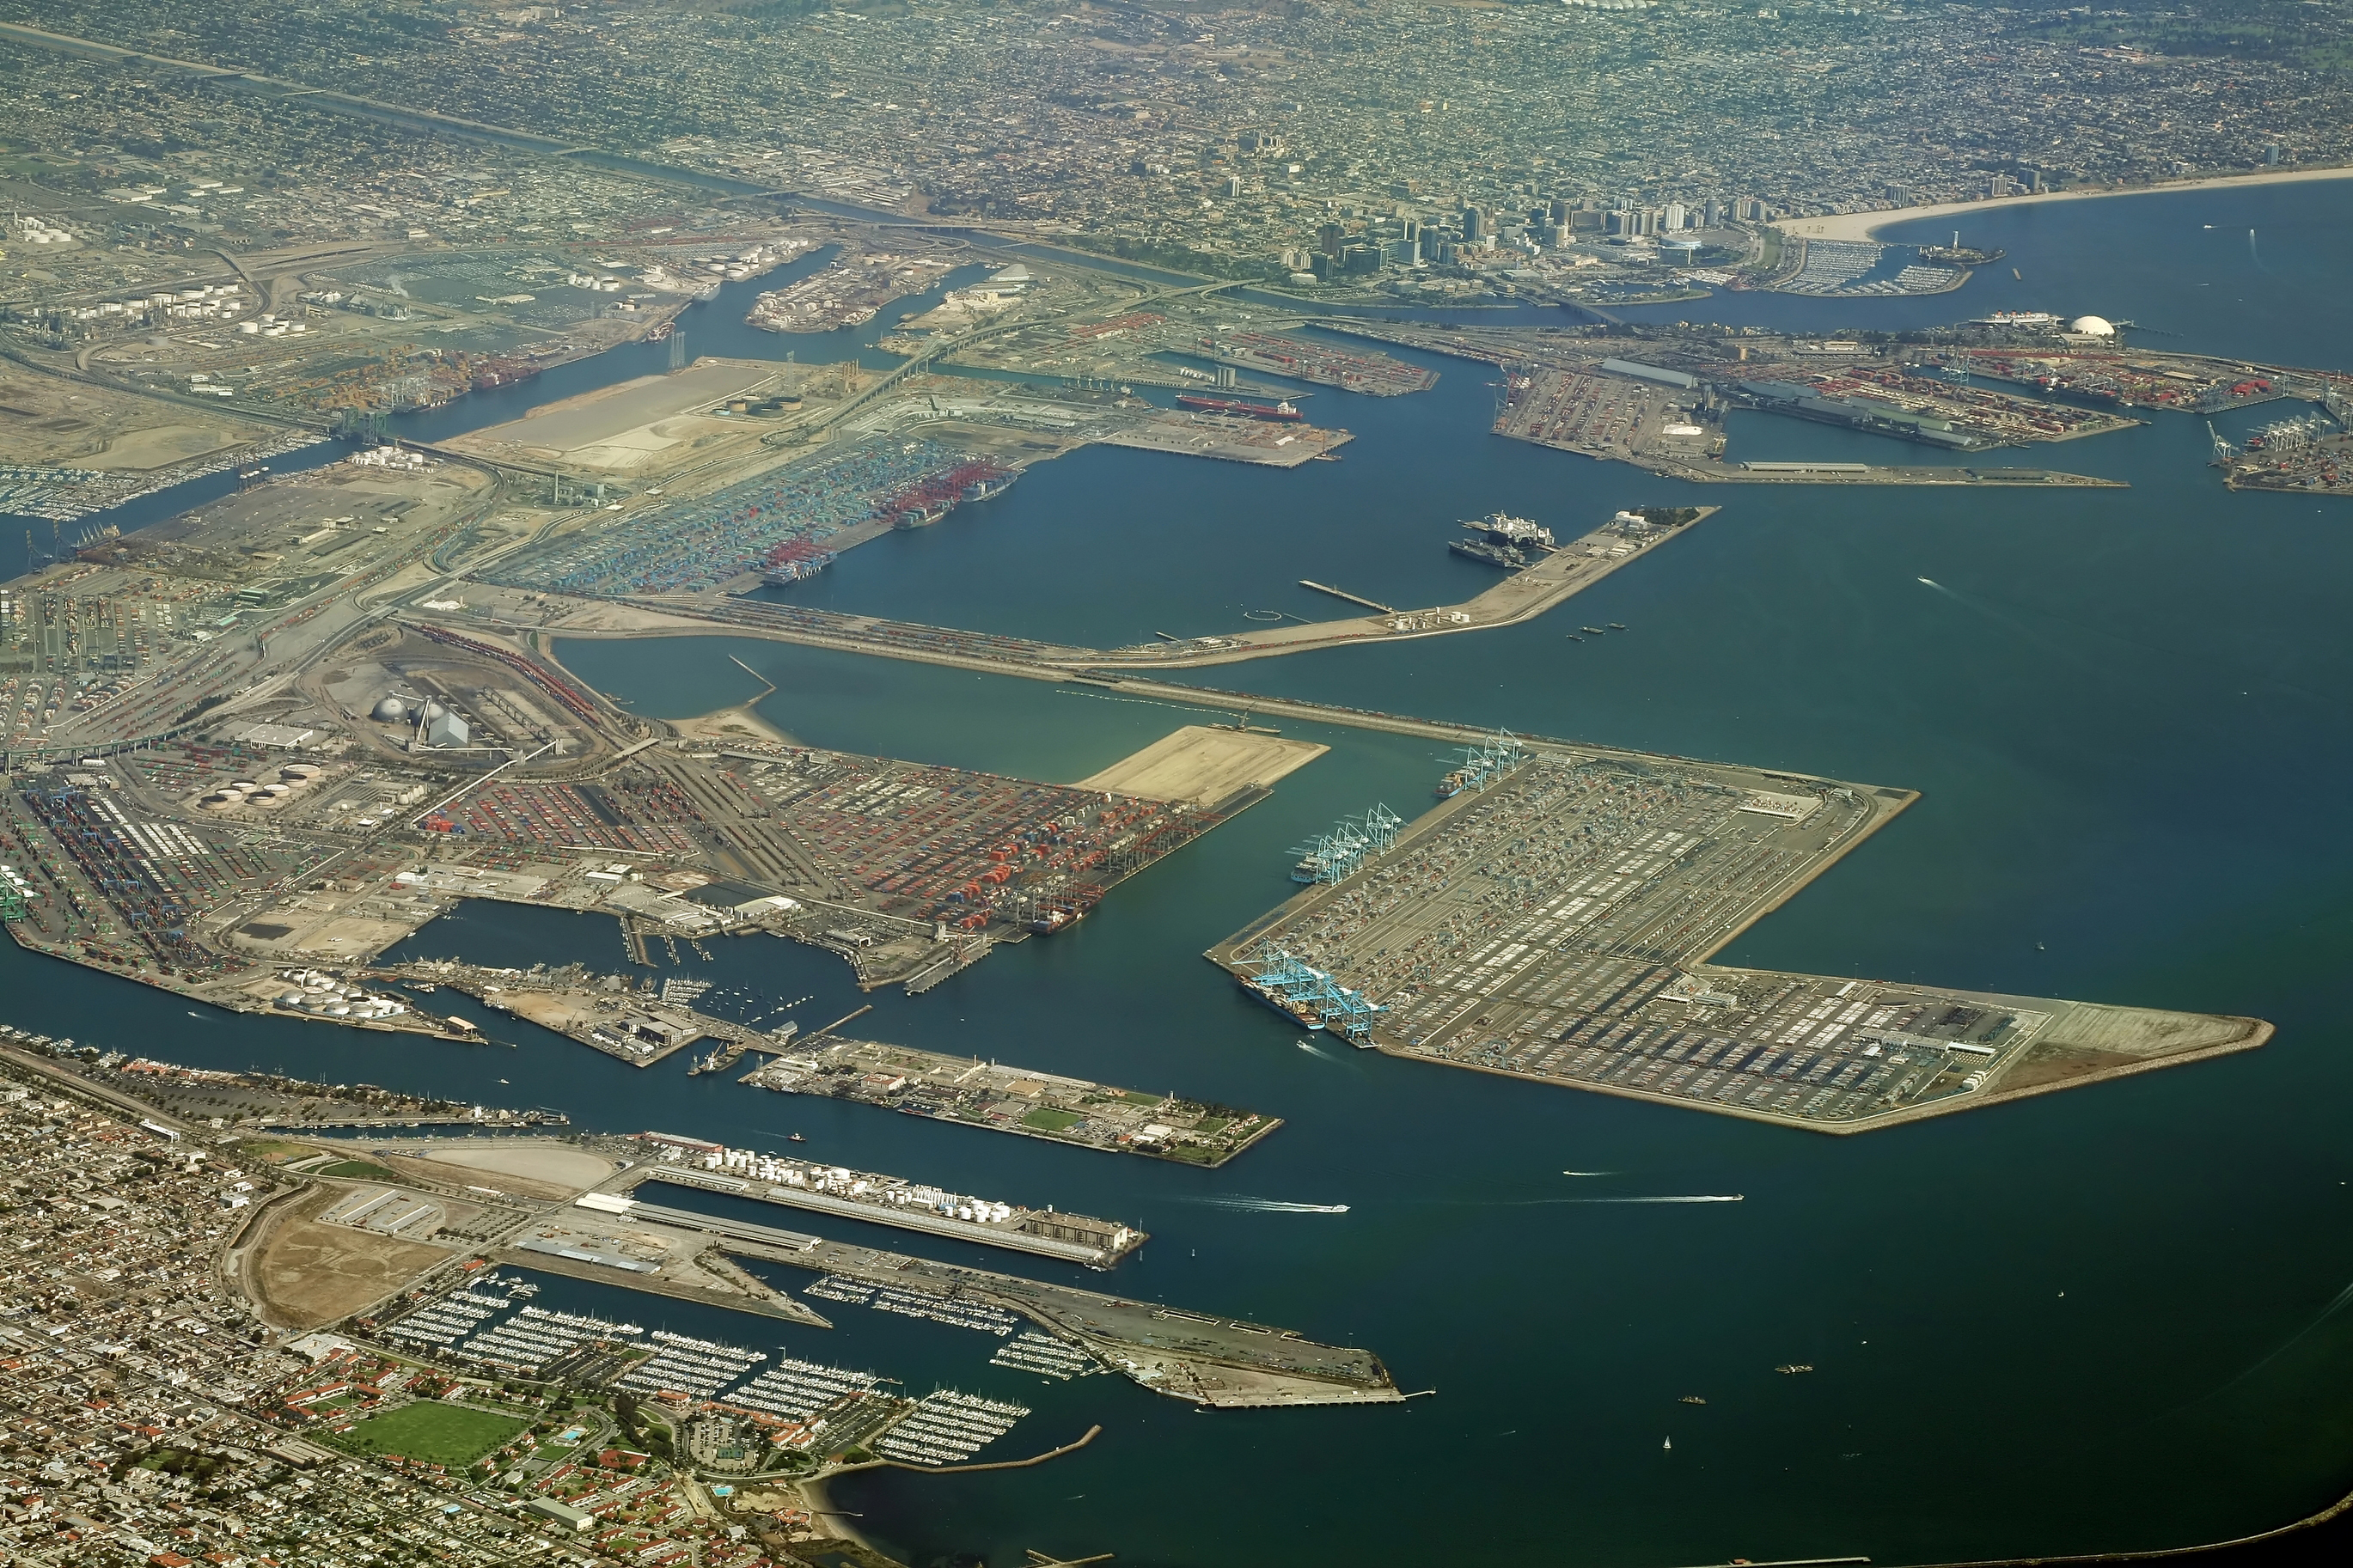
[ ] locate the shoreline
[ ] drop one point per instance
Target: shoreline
(1866, 225)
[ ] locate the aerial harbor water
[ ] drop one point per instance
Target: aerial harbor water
(2093, 1320)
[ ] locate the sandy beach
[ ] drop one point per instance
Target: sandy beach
(1863, 226)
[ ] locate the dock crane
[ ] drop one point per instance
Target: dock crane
(2224, 451)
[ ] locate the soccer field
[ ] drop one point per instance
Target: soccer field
(432, 1433)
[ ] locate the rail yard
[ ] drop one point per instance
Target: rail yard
(1552, 918)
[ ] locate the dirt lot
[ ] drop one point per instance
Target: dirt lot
(48, 422)
(301, 1274)
(567, 1171)
(1203, 765)
(646, 424)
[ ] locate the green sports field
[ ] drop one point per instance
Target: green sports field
(432, 1433)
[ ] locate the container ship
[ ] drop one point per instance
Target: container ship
(932, 499)
(1238, 410)
(503, 372)
(795, 560)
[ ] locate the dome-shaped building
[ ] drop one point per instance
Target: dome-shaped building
(389, 711)
(2092, 327)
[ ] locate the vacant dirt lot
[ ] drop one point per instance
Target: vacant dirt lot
(301, 1274)
(1203, 765)
(49, 421)
(566, 1170)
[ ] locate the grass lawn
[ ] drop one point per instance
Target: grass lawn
(432, 1433)
(1050, 1120)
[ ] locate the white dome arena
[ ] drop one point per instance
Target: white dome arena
(2092, 327)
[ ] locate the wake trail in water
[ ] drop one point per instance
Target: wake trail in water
(1588, 1173)
(1321, 1056)
(1554, 1203)
(2254, 254)
(1266, 1205)
(2337, 1304)
(2061, 650)
(1691, 1198)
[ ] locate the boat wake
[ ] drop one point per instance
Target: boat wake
(1588, 1173)
(1552, 1202)
(1694, 1198)
(1268, 1205)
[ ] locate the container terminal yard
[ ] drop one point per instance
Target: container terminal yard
(1551, 919)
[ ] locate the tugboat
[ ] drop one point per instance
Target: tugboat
(795, 1138)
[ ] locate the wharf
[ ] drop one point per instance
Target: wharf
(1022, 1230)
(1021, 1100)
(721, 1059)
(865, 1196)
(1319, 363)
(1629, 873)
(1230, 439)
(623, 1025)
(1222, 1362)
(1793, 473)
(768, 1304)
(1522, 597)
(393, 1123)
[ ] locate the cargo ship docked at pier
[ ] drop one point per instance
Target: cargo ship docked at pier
(925, 503)
(1501, 540)
(1283, 412)
(795, 560)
